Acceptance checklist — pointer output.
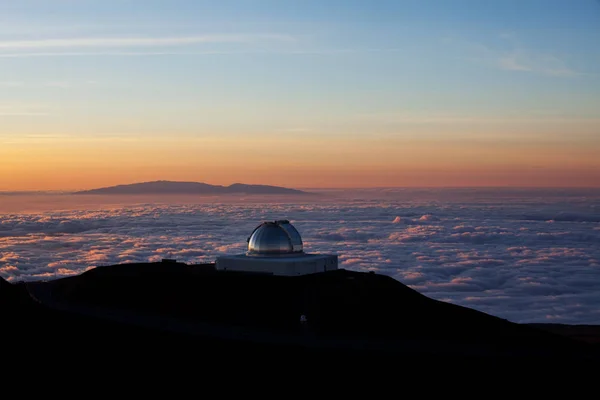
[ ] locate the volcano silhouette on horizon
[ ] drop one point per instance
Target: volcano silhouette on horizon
(195, 188)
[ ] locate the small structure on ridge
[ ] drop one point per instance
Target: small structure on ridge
(276, 248)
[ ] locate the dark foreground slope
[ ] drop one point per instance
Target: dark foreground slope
(166, 313)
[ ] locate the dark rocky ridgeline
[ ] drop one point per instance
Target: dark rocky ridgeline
(352, 317)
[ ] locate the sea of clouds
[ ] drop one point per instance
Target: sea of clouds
(527, 256)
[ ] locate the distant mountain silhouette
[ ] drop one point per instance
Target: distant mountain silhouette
(197, 188)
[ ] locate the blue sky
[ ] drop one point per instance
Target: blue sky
(491, 71)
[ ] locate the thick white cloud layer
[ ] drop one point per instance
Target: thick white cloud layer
(524, 257)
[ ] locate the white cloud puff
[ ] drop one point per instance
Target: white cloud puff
(501, 257)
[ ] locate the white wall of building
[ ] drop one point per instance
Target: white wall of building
(284, 266)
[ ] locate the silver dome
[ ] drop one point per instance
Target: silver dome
(274, 238)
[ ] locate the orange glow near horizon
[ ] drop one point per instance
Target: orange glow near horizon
(64, 164)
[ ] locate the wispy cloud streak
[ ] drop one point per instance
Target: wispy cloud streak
(10, 84)
(23, 114)
(141, 53)
(525, 117)
(17, 110)
(525, 61)
(137, 41)
(517, 58)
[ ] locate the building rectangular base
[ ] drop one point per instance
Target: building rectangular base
(279, 265)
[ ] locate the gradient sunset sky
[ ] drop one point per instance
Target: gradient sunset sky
(326, 93)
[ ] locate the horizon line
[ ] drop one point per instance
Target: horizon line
(363, 188)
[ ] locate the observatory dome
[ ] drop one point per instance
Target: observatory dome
(274, 238)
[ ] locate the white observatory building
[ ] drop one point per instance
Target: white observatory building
(276, 248)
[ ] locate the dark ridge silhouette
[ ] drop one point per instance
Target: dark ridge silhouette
(192, 188)
(169, 313)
